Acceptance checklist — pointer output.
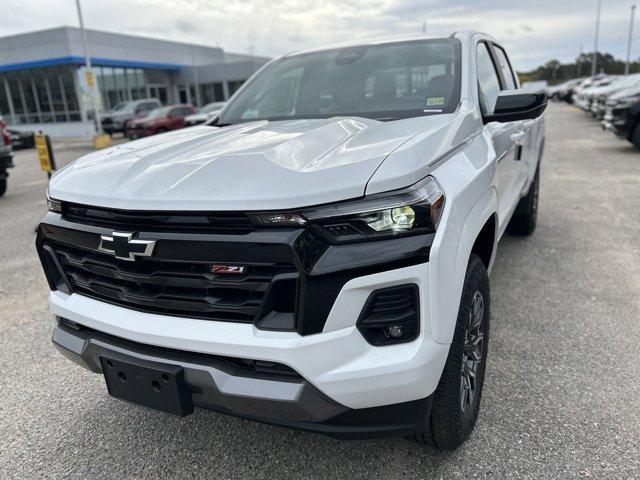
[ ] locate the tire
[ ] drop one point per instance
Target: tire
(455, 408)
(3, 185)
(525, 217)
(635, 136)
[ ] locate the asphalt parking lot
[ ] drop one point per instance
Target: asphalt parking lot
(562, 393)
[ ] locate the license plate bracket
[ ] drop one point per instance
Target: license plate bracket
(154, 385)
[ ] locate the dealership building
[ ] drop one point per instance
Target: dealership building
(43, 81)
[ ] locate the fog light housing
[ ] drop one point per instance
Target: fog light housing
(390, 316)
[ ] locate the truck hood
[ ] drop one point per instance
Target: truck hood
(250, 166)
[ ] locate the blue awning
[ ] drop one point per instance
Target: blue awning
(95, 61)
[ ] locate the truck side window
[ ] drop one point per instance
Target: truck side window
(507, 73)
(488, 82)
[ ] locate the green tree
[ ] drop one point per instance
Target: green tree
(554, 71)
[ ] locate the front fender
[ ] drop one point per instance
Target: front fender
(449, 266)
(469, 182)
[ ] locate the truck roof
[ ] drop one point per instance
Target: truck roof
(384, 39)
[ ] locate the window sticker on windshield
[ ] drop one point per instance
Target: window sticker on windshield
(435, 101)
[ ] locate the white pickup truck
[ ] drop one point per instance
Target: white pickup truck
(316, 256)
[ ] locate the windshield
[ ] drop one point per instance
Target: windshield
(158, 112)
(384, 82)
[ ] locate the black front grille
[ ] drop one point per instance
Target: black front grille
(131, 220)
(188, 289)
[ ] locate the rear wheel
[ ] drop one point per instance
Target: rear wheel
(456, 401)
(3, 185)
(524, 218)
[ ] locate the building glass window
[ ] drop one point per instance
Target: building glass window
(40, 81)
(121, 85)
(69, 92)
(137, 84)
(5, 111)
(193, 99)
(31, 110)
(182, 94)
(14, 91)
(234, 85)
(158, 92)
(57, 96)
(211, 92)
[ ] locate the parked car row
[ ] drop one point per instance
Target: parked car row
(147, 116)
(613, 99)
(118, 118)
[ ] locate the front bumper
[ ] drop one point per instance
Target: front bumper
(618, 121)
(319, 340)
(217, 383)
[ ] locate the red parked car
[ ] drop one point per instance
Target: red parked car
(159, 120)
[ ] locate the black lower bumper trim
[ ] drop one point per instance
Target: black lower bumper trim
(397, 420)
(271, 398)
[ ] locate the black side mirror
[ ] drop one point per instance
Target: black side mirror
(514, 105)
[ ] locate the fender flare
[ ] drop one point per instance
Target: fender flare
(444, 311)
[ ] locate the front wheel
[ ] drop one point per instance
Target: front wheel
(456, 401)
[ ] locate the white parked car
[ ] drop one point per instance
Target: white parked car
(319, 258)
(583, 95)
(205, 114)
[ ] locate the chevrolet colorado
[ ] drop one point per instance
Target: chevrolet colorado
(318, 255)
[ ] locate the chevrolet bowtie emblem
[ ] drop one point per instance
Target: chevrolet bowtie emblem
(123, 246)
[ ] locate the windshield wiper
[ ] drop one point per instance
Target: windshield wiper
(216, 124)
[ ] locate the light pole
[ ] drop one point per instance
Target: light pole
(626, 65)
(594, 61)
(89, 72)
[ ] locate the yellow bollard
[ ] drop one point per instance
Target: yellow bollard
(101, 141)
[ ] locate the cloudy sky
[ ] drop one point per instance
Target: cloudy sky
(534, 31)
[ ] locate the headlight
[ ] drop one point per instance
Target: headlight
(416, 209)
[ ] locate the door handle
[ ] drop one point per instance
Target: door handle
(516, 137)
